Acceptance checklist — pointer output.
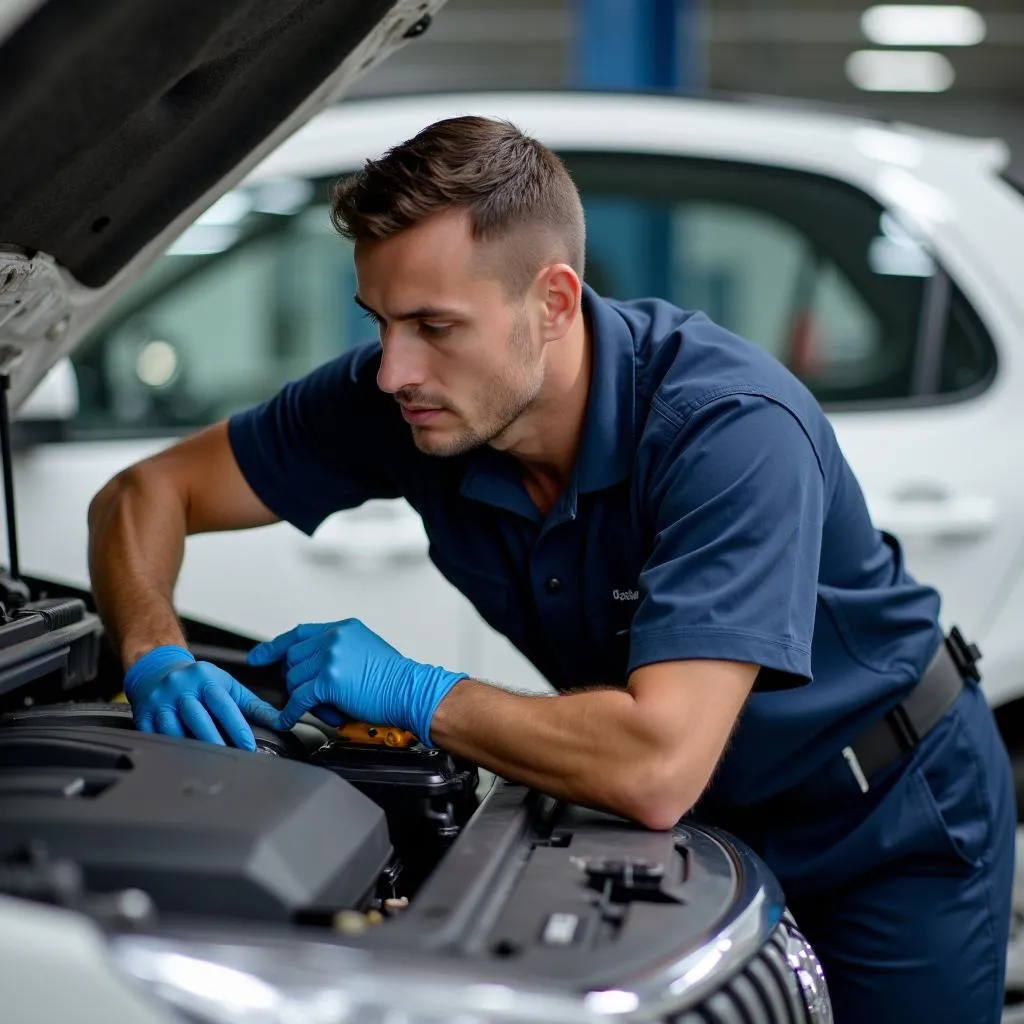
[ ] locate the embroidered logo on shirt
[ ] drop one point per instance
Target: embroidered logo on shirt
(626, 595)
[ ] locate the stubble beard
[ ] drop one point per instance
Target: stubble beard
(508, 398)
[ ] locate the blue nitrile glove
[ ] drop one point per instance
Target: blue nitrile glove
(172, 693)
(347, 666)
(331, 716)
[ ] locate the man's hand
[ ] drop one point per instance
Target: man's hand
(172, 693)
(346, 666)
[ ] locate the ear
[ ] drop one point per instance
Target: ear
(559, 292)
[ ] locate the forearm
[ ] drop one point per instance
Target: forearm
(137, 528)
(597, 748)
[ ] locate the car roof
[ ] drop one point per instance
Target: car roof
(757, 129)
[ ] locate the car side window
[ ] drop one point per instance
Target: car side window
(811, 269)
(257, 292)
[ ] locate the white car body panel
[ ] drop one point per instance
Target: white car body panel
(944, 478)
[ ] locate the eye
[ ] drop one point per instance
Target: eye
(430, 330)
(377, 321)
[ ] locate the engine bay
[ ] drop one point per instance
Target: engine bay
(335, 841)
(320, 835)
(319, 829)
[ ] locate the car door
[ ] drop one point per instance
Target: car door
(837, 288)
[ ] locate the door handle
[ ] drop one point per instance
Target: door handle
(934, 514)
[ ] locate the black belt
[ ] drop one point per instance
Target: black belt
(908, 723)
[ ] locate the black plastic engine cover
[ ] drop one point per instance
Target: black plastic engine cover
(204, 830)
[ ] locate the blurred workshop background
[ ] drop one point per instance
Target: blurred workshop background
(956, 68)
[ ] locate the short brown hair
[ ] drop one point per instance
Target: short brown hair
(512, 186)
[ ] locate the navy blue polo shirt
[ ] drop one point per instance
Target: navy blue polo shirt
(710, 514)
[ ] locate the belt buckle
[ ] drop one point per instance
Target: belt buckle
(853, 762)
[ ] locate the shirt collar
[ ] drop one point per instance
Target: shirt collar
(606, 447)
(493, 477)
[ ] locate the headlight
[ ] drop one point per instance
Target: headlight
(322, 984)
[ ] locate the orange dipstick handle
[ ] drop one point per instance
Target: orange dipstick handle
(381, 735)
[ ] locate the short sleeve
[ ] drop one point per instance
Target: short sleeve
(323, 443)
(736, 504)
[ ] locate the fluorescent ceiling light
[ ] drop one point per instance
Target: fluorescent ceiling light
(899, 71)
(229, 209)
(912, 25)
(283, 196)
(897, 253)
(205, 240)
(888, 259)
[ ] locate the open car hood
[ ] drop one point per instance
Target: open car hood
(122, 122)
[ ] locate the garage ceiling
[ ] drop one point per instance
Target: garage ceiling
(799, 47)
(795, 48)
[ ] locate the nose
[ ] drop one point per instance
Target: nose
(400, 366)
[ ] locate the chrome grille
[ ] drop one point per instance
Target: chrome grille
(765, 991)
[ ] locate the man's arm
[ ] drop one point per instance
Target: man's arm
(137, 528)
(646, 752)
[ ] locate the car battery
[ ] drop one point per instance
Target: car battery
(426, 795)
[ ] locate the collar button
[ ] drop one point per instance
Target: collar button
(553, 585)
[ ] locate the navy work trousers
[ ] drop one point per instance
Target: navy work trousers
(904, 892)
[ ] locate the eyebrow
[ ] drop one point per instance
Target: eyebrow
(423, 313)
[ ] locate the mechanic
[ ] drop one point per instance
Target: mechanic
(654, 511)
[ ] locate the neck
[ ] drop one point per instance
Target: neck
(546, 439)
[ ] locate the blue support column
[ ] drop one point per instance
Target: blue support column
(638, 44)
(629, 45)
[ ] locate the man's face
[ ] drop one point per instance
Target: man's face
(461, 359)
